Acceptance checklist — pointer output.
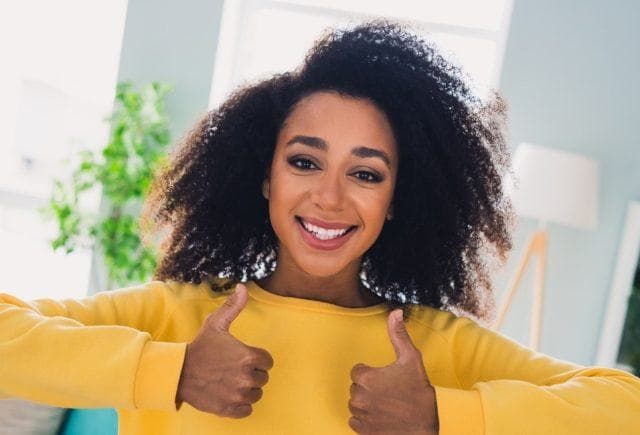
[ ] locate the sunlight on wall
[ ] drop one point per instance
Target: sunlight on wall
(60, 61)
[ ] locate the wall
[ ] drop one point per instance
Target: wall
(570, 76)
(174, 42)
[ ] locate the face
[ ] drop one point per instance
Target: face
(331, 182)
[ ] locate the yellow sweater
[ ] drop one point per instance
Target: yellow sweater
(125, 348)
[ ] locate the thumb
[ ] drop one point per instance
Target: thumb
(399, 336)
(227, 313)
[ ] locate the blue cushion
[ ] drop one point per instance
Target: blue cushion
(90, 421)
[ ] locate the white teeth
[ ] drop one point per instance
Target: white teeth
(323, 233)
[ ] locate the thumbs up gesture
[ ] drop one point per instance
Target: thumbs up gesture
(220, 374)
(398, 398)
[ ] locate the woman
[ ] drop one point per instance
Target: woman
(370, 179)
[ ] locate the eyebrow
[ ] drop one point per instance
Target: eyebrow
(359, 151)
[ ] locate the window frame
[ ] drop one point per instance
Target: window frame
(233, 40)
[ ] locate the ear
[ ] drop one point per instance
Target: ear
(390, 213)
(265, 188)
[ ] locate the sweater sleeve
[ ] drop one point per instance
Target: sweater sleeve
(507, 388)
(93, 352)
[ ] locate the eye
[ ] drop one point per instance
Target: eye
(301, 163)
(305, 164)
(368, 177)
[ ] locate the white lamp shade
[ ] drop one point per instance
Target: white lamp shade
(555, 186)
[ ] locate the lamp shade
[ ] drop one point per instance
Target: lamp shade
(555, 186)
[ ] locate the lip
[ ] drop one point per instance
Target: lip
(326, 225)
(325, 245)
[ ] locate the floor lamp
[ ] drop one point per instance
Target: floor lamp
(551, 186)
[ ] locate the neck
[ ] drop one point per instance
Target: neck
(343, 289)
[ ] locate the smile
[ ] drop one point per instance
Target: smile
(323, 238)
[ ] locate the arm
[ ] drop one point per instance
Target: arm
(93, 352)
(507, 388)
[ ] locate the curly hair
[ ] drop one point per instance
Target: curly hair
(451, 213)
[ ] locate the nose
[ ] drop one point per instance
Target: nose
(328, 193)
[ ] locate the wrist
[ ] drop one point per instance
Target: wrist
(434, 422)
(179, 401)
(179, 391)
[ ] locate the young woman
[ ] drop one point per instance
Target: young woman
(365, 185)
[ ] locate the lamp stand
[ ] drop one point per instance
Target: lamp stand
(536, 245)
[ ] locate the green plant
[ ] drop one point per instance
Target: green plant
(123, 171)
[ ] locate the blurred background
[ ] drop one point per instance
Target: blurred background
(567, 69)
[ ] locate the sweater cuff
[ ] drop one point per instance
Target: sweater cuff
(459, 411)
(158, 375)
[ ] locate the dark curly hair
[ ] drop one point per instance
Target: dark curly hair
(451, 213)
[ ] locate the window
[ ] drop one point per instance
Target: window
(57, 84)
(262, 37)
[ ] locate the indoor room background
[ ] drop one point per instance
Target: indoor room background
(568, 71)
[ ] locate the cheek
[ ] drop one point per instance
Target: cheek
(377, 200)
(284, 195)
(284, 188)
(373, 209)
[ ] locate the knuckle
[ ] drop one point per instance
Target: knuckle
(416, 361)
(210, 319)
(360, 403)
(400, 329)
(354, 373)
(229, 302)
(240, 411)
(206, 406)
(246, 380)
(224, 411)
(260, 378)
(415, 353)
(255, 395)
(359, 373)
(245, 396)
(355, 390)
(354, 410)
(257, 358)
(248, 360)
(238, 397)
(268, 359)
(356, 424)
(263, 358)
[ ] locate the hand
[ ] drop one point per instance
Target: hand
(398, 398)
(222, 375)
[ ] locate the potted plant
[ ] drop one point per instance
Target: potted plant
(123, 172)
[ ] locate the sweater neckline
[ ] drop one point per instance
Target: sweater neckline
(258, 293)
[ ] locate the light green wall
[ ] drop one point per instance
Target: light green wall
(571, 77)
(173, 41)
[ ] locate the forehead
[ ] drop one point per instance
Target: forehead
(342, 121)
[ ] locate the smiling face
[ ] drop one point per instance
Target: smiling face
(331, 183)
